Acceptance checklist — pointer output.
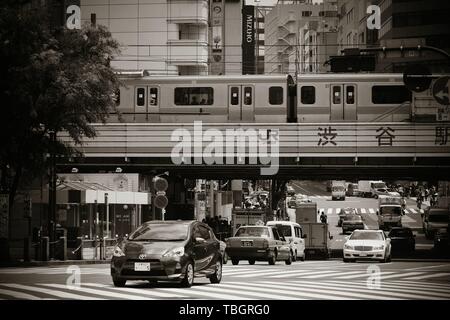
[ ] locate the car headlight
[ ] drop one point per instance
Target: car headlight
(118, 252)
(348, 247)
(177, 252)
(378, 247)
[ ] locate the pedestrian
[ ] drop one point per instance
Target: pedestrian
(323, 217)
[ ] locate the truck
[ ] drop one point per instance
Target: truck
(372, 188)
(338, 190)
(247, 217)
(435, 219)
(317, 240)
(389, 212)
(306, 212)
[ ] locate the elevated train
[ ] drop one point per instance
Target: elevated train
(266, 98)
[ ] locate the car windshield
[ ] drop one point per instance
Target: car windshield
(400, 233)
(358, 235)
(338, 188)
(160, 232)
(347, 211)
(252, 232)
(379, 185)
(438, 218)
(391, 210)
(353, 217)
(284, 230)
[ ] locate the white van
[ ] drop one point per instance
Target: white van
(293, 233)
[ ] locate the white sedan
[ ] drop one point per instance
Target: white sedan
(367, 244)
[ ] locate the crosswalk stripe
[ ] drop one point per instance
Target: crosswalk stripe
(400, 275)
(362, 275)
(254, 291)
(396, 289)
(338, 210)
(211, 293)
(142, 291)
(57, 293)
(331, 274)
(284, 275)
(287, 274)
(363, 210)
(330, 211)
(425, 286)
(251, 273)
(105, 293)
(412, 210)
(442, 286)
(18, 294)
(440, 274)
(371, 210)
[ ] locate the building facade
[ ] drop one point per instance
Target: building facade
(285, 29)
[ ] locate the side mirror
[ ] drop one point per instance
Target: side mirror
(199, 240)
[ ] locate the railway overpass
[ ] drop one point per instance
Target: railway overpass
(245, 150)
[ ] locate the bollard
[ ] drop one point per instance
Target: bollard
(62, 248)
(45, 248)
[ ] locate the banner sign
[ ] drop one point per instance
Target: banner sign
(248, 40)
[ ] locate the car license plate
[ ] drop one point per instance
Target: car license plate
(142, 266)
(247, 243)
(363, 254)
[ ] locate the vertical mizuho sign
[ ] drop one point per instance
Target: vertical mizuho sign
(248, 40)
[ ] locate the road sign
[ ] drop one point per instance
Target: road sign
(417, 78)
(161, 201)
(160, 184)
(441, 90)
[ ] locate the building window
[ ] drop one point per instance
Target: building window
(248, 96)
(306, 13)
(276, 95)
(337, 95)
(308, 95)
(140, 97)
(390, 94)
(194, 96)
(350, 99)
(234, 99)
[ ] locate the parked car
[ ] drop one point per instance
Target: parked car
(258, 243)
(170, 251)
(402, 239)
(435, 219)
(344, 212)
(352, 222)
(367, 245)
(293, 233)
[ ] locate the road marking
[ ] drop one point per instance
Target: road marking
(412, 210)
(440, 274)
(144, 291)
(18, 294)
(254, 273)
(57, 293)
(363, 275)
(253, 291)
(113, 295)
(363, 210)
(427, 267)
(396, 292)
(285, 275)
(338, 210)
(402, 285)
(211, 292)
(371, 210)
(331, 275)
(330, 211)
(435, 285)
(400, 275)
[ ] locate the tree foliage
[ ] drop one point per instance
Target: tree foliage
(52, 80)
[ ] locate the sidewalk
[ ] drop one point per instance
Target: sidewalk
(50, 263)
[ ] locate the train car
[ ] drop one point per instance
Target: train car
(311, 98)
(352, 97)
(207, 98)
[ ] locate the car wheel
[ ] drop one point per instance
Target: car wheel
(345, 260)
(289, 260)
(251, 261)
(294, 256)
(235, 261)
(217, 276)
(188, 279)
(303, 257)
(119, 282)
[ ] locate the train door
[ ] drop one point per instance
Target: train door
(154, 98)
(241, 103)
(343, 102)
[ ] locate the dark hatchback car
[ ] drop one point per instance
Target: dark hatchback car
(168, 251)
(402, 240)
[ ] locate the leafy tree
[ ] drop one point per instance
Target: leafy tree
(52, 80)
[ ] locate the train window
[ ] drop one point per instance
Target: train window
(153, 96)
(194, 96)
(350, 93)
(276, 95)
(248, 95)
(336, 94)
(390, 94)
(308, 95)
(140, 97)
(116, 97)
(234, 99)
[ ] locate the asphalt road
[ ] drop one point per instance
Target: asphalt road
(330, 280)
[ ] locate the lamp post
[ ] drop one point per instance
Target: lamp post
(52, 195)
